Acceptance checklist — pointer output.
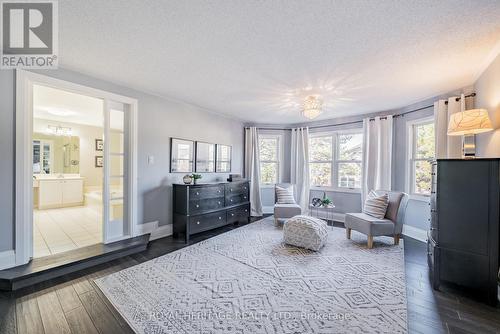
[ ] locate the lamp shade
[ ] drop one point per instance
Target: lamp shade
(469, 122)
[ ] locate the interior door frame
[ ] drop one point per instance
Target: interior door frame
(25, 81)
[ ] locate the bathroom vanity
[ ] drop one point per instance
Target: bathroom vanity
(57, 192)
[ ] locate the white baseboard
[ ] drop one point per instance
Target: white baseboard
(7, 259)
(161, 232)
(156, 231)
(415, 233)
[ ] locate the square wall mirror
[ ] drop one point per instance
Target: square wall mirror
(223, 161)
(181, 155)
(205, 157)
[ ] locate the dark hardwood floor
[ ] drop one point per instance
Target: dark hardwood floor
(73, 304)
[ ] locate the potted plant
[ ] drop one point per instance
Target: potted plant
(195, 178)
(325, 201)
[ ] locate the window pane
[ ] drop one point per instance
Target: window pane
(350, 146)
(321, 174)
(350, 175)
(268, 148)
(320, 148)
(424, 147)
(268, 172)
(422, 181)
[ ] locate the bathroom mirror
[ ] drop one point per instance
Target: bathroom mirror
(56, 154)
(181, 155)
(223, 161)
(205, 157)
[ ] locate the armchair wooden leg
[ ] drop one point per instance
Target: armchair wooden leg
(370, 242)
(348, 232)
(276, 222)
(396, 239)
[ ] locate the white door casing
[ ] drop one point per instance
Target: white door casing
(25, 81)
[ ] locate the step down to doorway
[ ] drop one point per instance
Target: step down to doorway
(49, 267)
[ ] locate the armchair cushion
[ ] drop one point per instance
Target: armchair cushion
(284, 195)
(376, 205)
(369, 225)
(286, 210)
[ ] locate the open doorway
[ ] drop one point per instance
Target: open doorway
(76, 166)
(68, 131)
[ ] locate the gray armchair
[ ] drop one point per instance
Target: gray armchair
(391, 225)
(285, 211)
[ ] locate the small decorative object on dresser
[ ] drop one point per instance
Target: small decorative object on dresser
(202, 207)
(196, 177)
(187, 179)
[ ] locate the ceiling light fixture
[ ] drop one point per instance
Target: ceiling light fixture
(59, 130)
(313, 105)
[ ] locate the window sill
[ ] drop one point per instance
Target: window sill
(337, 190)
(421, 198)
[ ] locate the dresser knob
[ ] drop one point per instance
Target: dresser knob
(230, 189)
(218, 202)
(197, 193)
(246, 210)
(244, 197)
(197, 205)
(232, 214)
(231, 200)
(218, 191)
(197, 223)
(245, 188)
(220, 218)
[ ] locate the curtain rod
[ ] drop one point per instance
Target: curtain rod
(361, 121)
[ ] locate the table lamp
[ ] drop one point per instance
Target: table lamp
(468, 123)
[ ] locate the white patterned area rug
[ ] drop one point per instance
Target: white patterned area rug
(248, 281)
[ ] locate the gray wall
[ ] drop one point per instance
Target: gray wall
(487, 88)
(158, 120)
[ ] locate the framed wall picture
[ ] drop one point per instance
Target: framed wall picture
(99, 145)
(99, 161)
(181, 155)
(223, 159)
(205, 157)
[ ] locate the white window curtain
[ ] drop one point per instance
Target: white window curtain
(377, 159)
(447, 146)
(299, 172)
(252, 170)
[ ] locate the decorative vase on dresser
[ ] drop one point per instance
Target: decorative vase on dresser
(202, 207)
(463, 240)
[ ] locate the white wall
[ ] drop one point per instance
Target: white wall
(159, 119)
(487, 88)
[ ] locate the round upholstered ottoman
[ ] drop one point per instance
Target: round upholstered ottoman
(306, 232)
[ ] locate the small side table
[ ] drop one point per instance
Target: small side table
(322, 212)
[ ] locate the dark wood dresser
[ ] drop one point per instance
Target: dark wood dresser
(463, 244)
(202, 207)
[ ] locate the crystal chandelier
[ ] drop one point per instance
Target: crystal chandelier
(312, 106)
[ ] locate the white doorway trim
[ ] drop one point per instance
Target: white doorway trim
(24, 165)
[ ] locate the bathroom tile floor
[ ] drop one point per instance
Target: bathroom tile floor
(61, 230)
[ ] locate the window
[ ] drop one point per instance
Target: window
(421, 152)
(335, 160)
(320, 160)
(348, 163)
(270, 152)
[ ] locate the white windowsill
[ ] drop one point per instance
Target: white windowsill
(337, 190)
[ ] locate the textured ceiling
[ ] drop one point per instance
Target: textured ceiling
(255, 60)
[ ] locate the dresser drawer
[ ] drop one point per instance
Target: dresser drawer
(236, 199)
(238, 214)
(197, 193)
(207, 221)
(203, 205)
(237, 188)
